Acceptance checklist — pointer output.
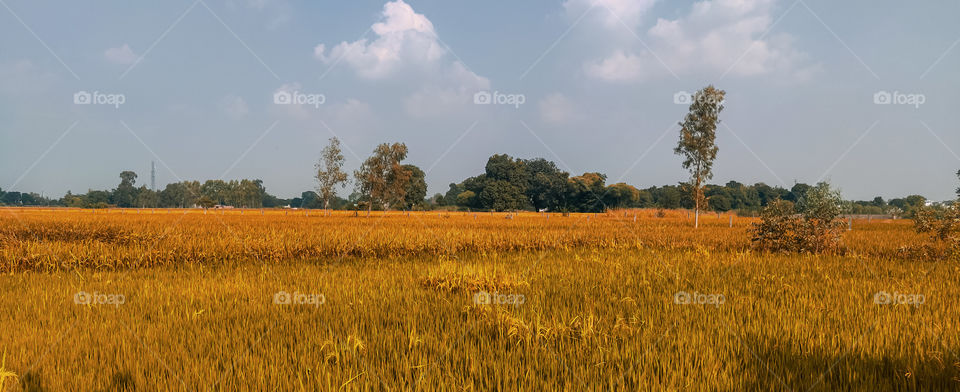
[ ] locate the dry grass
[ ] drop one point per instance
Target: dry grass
(600, 309)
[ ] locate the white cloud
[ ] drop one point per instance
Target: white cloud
(616, 68)
(122, 55)
(610, 12)
(234, 106)
(715, 37)
(408, 51)
(405, 39)
(557, 109)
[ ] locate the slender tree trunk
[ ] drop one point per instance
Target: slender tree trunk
(696, 213)
(696, 197)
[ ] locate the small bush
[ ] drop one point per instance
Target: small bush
(812, 226)
(942, 224)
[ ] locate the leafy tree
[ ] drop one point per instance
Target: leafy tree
(798, 192)
(545, 184)
(644, 199)
(330, 171)
(308, 200)
(98, 198)
(206, 202)
(146, 197)
(910, 204)
(697, 143)
(501, 195)
(381, 178)
(958, 189)
(475, 185)
(505, 188)
(416, 189)
(11, 198)
(172, 195)
(125, 195)
(466, 198)
(504, 168)
(436, 200)
(621, 195)
(216, 190)
(768, 194)
(450, 198)
(668, 196)
(71, 200)
(180, 194)
(584, 192)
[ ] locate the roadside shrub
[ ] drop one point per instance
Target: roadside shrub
(812, 226)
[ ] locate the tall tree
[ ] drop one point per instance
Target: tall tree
(958, 189)
(330, 172)
(381, 178)
(698, 141)
(125, 195)
(416, 188)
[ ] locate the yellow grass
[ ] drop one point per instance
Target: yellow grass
(600, 308)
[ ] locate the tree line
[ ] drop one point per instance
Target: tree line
(507, 184)
(384, 182)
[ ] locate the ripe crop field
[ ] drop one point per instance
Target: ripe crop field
(627, 300)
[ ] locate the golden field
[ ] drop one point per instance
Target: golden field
(183, 300)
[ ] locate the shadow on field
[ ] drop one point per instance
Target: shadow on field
(779, 366)
(30, 382)
(120, 381)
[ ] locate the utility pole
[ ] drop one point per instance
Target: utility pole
(153, 176)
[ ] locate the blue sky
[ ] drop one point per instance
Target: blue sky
(597, 81)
